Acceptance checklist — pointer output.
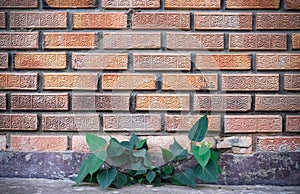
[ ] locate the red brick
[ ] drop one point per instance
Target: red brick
(252, 123)
(126, 4)
(2, 19)
(252, 4)
(195, 41)
(2, 101)
(185, 122)
(257, 41)
(79, 142)
(250, 82)
(70, 81)
(103, 102)
(223, 62)
(131, 40)
(189, 82)
(269, 21)
(163, 102)
(3, 60)
(39, 101)
(193, 4)
(296, 41)
(70, 122)
(107, 20)
(278, 144)
(222, 102)
(292, 82)
(133, 122)
(277, 102)
(38, 19)
(18, 122)
(18, 81)
(161, 61)
(18, 4)
(117, 81)
(19, 40)
(156, 142)
(69, 40)
(223, 21)
(161, 20)
(70, 3)
(30, 143)
(291, 4)
(2, 142)
(272, 61)
(293, 123)
(99, 61)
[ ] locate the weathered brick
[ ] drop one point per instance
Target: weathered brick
(193, 4)
(277, 102)
(107, 20)
(39, 101)
(163, 102)
(104, 102)
(156, 142)
(2, 20)
(223, 62)
(18, 4)
(126, 4)
(250, 82)
(273, 61)
(2, 101)
(99, 61)
(133, 122)
(117, 81)
(70, 3)
(19, 40)
(38, 19)
(293, 123)
(269, 21)
(195, 41)
(252, 4)
(292, 82)
(296, 41)
(189, 82)
(18, 81)
(291, 4)
(185, 122)
(161, 61)
(161, 20)
(222, 102)
(70, 122)
(2, 142)
(131, 40)
(30, 143)
(69, 40)
(3, 60)
(234, 141)
(257, 41)
(278, 144)
(223, 21)
(70, 81)
(18, 122)
(252, 123)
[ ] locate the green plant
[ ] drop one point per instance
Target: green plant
(119, 164)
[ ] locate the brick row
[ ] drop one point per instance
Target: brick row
(193, 4)
(252, 4)
(120, 4)
(70, 4)
(18, 81)
(18, 122)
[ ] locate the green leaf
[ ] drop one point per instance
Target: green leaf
(140, 153)
(201, 154)
(140, 172)
(120, 180)
(209, 173)
(137, 165)
(114, 148)
(168, 169)
(120, 160)
(167, 155)
(106, 176)
(214, 157)
(127, 145)
(97, 145)
(147, 160)
(176, 148)
(187, 178)
(134, 139)
(142, 144)
(198, 131)
(150, 176)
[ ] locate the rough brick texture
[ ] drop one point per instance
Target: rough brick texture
(70, 4)
(278, 61)
(18, 81)
(252, 4)
(2, 19)
(121, 4)
(278, 144)
(293, 123)
(193, 4)
(18, 4)
(2, 101)
(19, 40)
(3, 60)
(267, 21)
(296, 41)
(292, 4)
(18, 122)
(292, 82)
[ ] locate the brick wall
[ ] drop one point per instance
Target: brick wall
(153, 67)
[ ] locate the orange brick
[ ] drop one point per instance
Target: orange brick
(131, 40)
(296, 41)
(70, 40)
(19, 40)
(293, 123)
(30, 143)
(107, 20)
(223, 21)
(38, 19)
(257, 41)
(99, 61)
(195, 41)
(163, 102)
(223, 62)
(70, 3)
(2, 101)
(252, 4)
(252, 123)
(161, 20)
(268, 21)
(18, 4)
(193, 4)
(277, 102)
(272, 61)
(70, 81)
(189, 82)
(292, 82)
(161, 61)
(278, 144)
(2, 142)
(18, 122)
(291, 4)
(2, 20)
(3, 60)
(250, 82)
(18, 81)
(40, 60)
(121, 4)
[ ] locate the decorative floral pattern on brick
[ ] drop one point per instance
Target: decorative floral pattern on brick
(278, 144)
(269, 21)
(252, 4)
(192, 4)
(277, 102)
(19, 4)
(293, 123)
(18, 122)
(272, 61)
(126, 4)
(18, 81)
(2, 101)
(3, 60)
(71, 3)
(292, 82)
(19, 40)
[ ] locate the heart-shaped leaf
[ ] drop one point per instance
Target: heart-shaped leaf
(198, 132)
(201, 154)
(106, 176)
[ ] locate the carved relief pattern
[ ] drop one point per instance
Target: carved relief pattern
(18, 4)
(2, 19)
(99, 61)
(18, 122)
(252, 4)
(278, 144)
(277, 61)
(296, 41)
(18, 40)
(293, 123)
(110, 4)
(3, 60)
(292, 4)
(11, 81)
(2, 101)
(277, 21)
(71, 3)
(40, 61)
(292, 82)
(193, 4)
(277, 102)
